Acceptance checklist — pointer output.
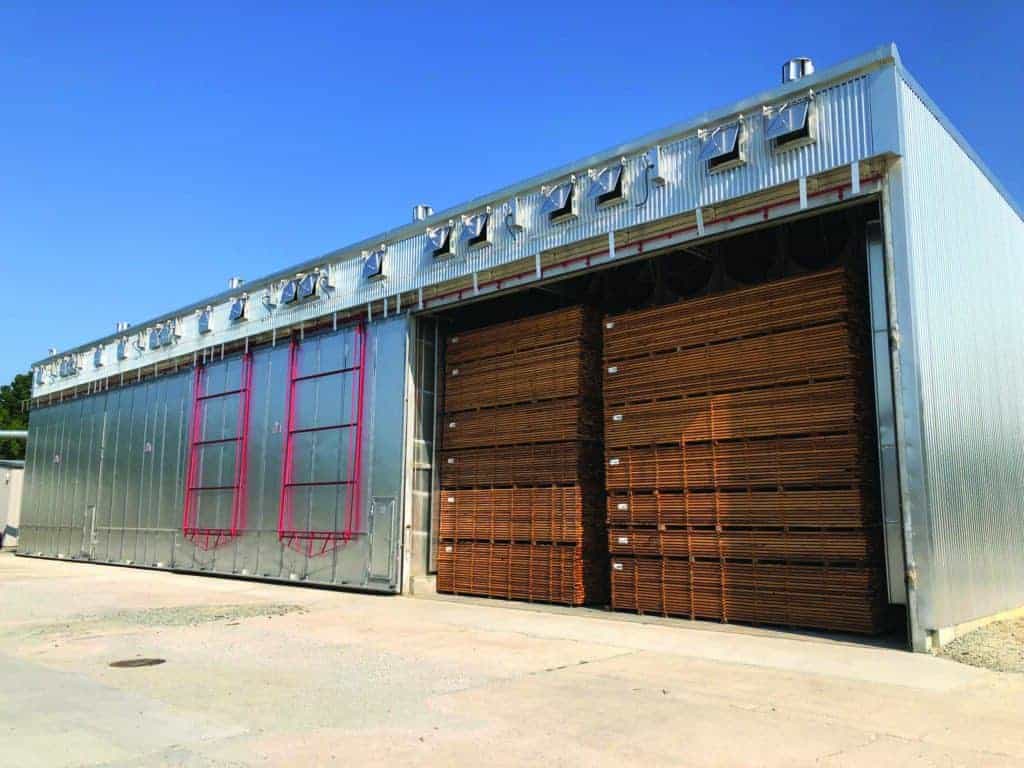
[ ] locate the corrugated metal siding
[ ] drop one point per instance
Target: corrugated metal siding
(844, 135)
(106, 474)
(966, 254)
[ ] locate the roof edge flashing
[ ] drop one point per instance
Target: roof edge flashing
(958, 137)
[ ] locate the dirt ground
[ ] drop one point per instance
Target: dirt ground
(241, 674)
(998, 646)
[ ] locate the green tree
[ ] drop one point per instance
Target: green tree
(14, 398)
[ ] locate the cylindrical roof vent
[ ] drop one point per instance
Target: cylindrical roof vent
(235, 282)
(421, 212)
(794, 69)
(122, 326)
(51, 351)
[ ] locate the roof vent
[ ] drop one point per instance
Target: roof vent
(722, 148)
(308, 284)
(290, 291)
(373, 263)
(234, 283)
(206, 320)
(794, 69)
(560, 200)
(606, 184)
(237, 311)
(421, 212)
(791, 124)
(476, 229)
(122, 326)
(439, 240)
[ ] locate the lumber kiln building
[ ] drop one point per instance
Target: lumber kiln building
(763, 366)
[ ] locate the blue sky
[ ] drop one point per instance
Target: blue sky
(151, 150)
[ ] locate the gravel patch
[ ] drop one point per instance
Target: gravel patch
(173, 616)
(998, 646)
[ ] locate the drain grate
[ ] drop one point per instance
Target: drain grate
(132, 663)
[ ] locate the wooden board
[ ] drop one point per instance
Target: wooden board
(813, 546)
(572, 324)
(522, 501)
(739, 457)
(550, 573)
(560, 371)
(803, 355)
(804, 508)
(525, 465)
(831, 460)
(548, 421)
(795, 410)
(782, 305)
(838, 599)
(552, 514)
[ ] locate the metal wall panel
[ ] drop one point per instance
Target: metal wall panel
(964, 276)
(105, 473)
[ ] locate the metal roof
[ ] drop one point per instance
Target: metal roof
(861, 122)
(881, 55)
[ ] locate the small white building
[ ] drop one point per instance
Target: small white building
(12, 474)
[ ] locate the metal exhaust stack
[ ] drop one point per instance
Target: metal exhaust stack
(421, 212)
(794, 69)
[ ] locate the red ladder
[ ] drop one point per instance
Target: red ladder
(211, 537)
(317, 542)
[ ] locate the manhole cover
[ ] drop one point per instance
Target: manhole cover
(131, 663)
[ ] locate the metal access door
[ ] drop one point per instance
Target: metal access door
(81, 464)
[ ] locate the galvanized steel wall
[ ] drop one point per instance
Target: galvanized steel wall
(106, 473)
(964, 269)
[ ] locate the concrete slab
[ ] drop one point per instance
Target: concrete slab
(260, 674)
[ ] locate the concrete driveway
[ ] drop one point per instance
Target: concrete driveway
(264, 675)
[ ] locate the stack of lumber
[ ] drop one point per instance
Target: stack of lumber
(522, 512)
(739, 458)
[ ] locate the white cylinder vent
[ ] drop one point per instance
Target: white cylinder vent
(794, 69)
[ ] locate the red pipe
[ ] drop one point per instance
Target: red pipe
(286, 469)
(187, 521)
(239, 512)
(353, 518)
(355, 490)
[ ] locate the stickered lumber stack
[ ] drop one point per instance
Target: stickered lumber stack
(522, 512)
(739, 458)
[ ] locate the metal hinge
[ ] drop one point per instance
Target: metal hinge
(912, 577)
(894, 338)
